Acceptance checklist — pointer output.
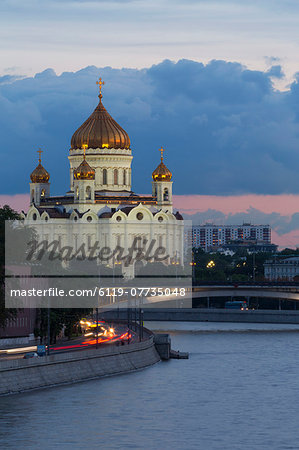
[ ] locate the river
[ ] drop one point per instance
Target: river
(238, 390)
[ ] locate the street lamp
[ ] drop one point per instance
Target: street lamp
(97, 331)
(49, 330)
(211, 264)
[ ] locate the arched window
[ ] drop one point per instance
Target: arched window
(43, 193)
(125, 181)
(115, 176)
(77, 192)
(32, 195)
(165, 195)
(155, 192)
(104, 176)
(88, 193)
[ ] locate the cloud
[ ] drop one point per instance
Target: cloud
(139, 32)
(7, 79)
(270, 60)
(285, 229)
(18, 202)
(281, 224)
(276, 72)
(225, 128)
(287, 240)
(280, 212)
(285, 226)
(283, 204)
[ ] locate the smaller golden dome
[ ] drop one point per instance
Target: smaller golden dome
(162, 173)
(84, 171)
(40, 175)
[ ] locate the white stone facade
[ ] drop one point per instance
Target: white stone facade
(118, 230)
(282, 269)
(113, 168)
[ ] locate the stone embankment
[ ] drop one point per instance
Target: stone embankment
(19, 375)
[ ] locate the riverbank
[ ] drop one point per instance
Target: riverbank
(21, 375)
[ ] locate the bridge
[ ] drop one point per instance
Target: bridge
(174, 309)
(279, 290)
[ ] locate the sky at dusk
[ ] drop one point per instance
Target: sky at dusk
(70, 34)
(214, 82)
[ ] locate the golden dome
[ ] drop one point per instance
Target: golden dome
(100, 130)
(84, 171)
(162, 173)
(39, 175)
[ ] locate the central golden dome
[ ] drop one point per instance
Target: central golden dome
(100, 130)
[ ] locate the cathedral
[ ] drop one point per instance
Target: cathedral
(100, 197)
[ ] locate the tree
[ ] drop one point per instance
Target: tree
(71, 318)
(6, 213)
(60, 318)
(289, 252)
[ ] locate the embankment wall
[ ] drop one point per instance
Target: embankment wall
(20, 375)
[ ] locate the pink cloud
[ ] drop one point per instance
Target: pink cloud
(17, 202)
(283, 204)
(190, 204)
(290, 240)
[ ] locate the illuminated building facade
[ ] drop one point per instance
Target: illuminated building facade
(210, 236)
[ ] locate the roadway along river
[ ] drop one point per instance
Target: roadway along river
(239, 390)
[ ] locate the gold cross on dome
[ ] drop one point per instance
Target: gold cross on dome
(39, 151)
(162, 150)
(100, 83)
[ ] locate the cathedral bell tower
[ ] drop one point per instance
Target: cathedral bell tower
(84, 182)
(39, 186)
(162, 185)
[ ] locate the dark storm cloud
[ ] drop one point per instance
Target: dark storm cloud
(225, 128)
